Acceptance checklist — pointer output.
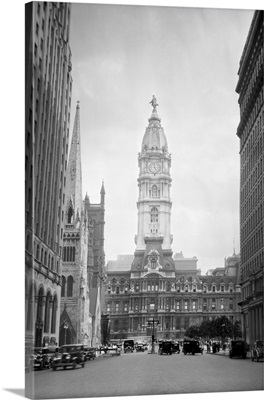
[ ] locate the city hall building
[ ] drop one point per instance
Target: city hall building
(153, 284)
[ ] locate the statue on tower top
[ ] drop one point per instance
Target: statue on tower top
(153, 102)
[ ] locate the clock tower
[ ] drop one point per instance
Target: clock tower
(154, 203)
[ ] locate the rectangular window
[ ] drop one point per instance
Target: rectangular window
(177, 305)
(185, 305)
(117, 307)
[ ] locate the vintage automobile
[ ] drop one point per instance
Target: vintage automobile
(36, 359)
(191, 346)
(69, 355)
(238, 348)
(165, 347)
(175, 347)
(89, 352)
(257, 350)
(129, 346)
(140, 347)
(48, 353)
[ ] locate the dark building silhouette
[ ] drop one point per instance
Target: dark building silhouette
(48, 88)
(250, 131)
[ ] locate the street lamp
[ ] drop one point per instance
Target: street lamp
(65, 326)
(152, 322)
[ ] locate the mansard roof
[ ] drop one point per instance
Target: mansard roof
(123, 263)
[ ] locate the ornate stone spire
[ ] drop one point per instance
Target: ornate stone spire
(74, 170)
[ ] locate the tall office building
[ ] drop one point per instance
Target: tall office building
(48, 87)
(250, 131)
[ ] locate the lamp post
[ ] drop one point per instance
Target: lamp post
(65, 326)
(152, 322)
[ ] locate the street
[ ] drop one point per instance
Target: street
(150, 374)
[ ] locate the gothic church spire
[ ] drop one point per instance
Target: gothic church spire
(74, 170)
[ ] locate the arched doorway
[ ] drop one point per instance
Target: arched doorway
(67, 335)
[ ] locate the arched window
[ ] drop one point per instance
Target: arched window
(45, 258)
(49, 261)
(70, 215)
(52, 263)
(154, 215)
(154, 191)
(40, 304)
(47, 312)
(67, 254)
(69, 286)
(37, 255)
(64, 254)
(54, 312)
(70, 254)
(73, 253)
(30, 308)
(41, 256)
(63, 282)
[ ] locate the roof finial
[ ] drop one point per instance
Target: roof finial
(234, 249)
(153, 102)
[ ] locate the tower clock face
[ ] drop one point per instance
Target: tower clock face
(154, 167)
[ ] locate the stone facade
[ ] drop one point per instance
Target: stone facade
(74, 320)
(153, 283)
(46, 134)
(250, 131)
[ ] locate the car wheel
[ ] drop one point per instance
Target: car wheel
(54, 368)
(74, 365)
(82, 365)
(64, 367)
(252, 358)
(257, 359)
(230, 356)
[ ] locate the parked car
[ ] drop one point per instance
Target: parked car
(36, 359)
(257, 350)
(140, 347)
(48, 353)
(165, 347)
(191, 346)
(70, 355)
(90, 353)
(238, 348)
(175, 347)
(129, 345)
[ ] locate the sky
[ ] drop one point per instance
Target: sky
(189, 59)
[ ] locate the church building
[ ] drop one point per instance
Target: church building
(83, 242)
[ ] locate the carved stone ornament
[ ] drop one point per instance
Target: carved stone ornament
(153, 261)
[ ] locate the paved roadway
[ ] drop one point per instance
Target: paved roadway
(150, 374)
